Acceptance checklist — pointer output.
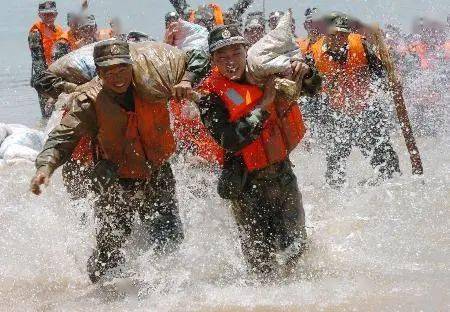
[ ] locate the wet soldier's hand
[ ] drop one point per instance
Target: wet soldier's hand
(182, 91)
(299, 70)
(41, 177)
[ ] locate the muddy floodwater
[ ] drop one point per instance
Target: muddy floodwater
(372, 248)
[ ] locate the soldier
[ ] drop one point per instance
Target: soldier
(134, 141)
(353, 115)
(211, 15)
(258, 129)
(41, 39)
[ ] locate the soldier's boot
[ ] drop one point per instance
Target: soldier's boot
(336, 170)
(166, 231)
(114, 228)
(99, 263)
(292, 250)
(385, 160)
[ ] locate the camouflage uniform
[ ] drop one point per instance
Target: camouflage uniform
(154, 198)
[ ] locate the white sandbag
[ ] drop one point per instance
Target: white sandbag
(29, 138)
(76, 67)
(4, 132)
(16, 152)
(191, 36)
(14, 128)
(273, 53)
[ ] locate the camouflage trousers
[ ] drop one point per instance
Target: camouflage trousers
(270, 217)
(155, 203)
(369, 132)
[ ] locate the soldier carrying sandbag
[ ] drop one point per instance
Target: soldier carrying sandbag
(129, 121)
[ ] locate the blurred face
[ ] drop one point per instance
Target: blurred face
(48, 18)
(116, 26)
(116, 78)
(231, 61)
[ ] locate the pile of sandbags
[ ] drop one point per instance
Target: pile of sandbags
(18, 142)
(273, 54)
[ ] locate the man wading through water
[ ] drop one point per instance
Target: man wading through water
(42, 38)
(258, 129)
(134, 142)
(354, 114)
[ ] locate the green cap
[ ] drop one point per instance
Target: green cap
(224, 35)
(338, 22)
(112, 52)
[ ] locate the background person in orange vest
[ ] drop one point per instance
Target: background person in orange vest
(353, 114)
(132, 173)
(41, 39)
(258, 130)
(83, 31)
(211, 15)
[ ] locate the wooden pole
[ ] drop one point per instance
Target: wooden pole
(397, 91)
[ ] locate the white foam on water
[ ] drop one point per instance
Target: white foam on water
(381, 248)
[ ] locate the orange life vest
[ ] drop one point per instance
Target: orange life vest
(134, 140)
(49, 37)
(192, 132)
(282, 131)
(217, 11)
(346, 83)
(84, 151)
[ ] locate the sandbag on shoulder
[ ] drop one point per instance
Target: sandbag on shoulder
(157, 67)
(76, 67)
(273, 53)
(191, 36)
